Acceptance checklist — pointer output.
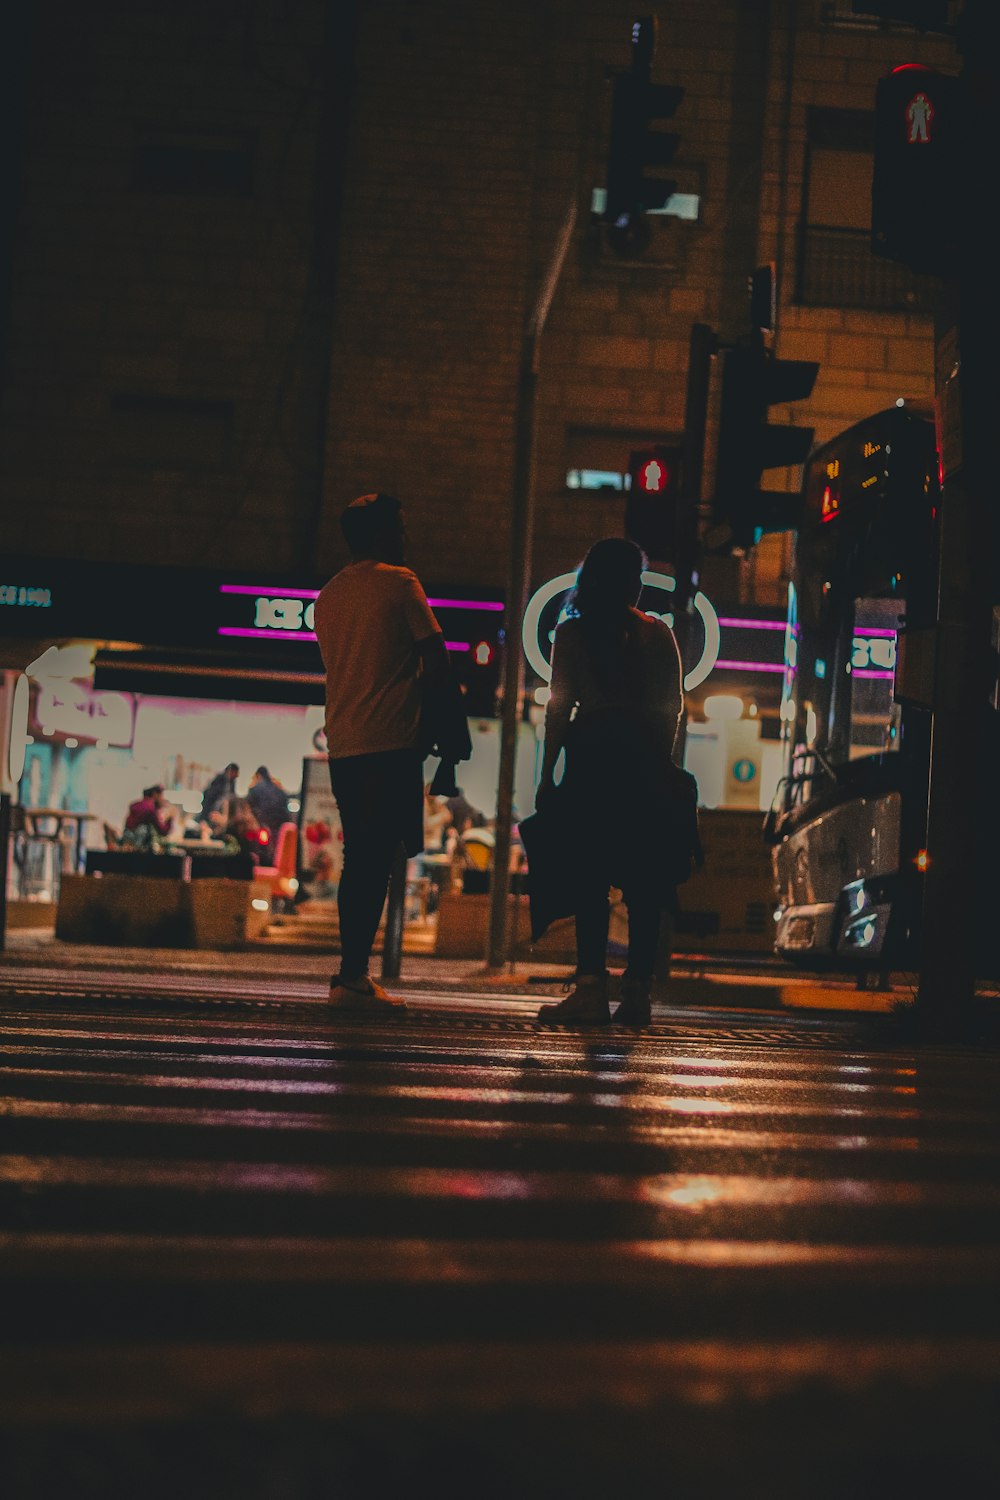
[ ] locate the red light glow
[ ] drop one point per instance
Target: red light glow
(654, 477)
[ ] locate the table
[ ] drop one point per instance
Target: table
(187, 847)
(198, 846)
(74, 823)
(435, 868)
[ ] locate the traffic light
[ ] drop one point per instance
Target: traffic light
(480, 678)
(652, 504)
(917, 191)
(753, 381)
(635, 145)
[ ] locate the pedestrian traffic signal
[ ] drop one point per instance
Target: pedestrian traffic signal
(753, 381)
(635, 145)
(651, 506)
(917, 197)
(654, 470)
(480, 678)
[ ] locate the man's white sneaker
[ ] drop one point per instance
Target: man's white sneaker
(363, 997)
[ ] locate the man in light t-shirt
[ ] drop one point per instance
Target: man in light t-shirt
(377, 636)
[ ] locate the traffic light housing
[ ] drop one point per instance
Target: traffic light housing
(753, 380)
(635, 145)
(480, 677)
(917, 179)
(652, 508)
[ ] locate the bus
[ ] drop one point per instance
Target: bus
(848, 823)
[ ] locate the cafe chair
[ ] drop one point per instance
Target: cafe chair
(281, 878)
(476, 847)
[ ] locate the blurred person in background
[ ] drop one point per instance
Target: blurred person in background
(463, 814)
(242, 832)
(221, 790)
(148, 811)
(437, 821)
(269, 803)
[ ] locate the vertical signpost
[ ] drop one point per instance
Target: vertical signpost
(753, 380)
(4, 863)
(930, 212)
(635, 145)
(522, 530)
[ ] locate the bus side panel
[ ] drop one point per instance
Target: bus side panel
(858, 840)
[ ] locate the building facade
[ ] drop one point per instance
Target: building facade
(262, 259)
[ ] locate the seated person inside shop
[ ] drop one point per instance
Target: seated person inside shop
(463, 814)
(269, 803)
(147, 823)
(240, 831)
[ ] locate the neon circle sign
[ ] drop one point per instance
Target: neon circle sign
(561, 585)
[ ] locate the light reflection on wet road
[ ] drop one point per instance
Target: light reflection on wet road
(730, 1236)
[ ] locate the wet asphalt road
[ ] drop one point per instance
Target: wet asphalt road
(247, 1251)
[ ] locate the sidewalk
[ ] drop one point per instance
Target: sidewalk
(701, 983)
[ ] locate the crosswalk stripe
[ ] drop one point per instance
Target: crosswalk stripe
(703, 1211)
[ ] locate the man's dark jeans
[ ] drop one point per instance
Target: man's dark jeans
(380, 799)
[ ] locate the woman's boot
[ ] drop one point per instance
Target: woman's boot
(634, 1009)
(586, 1004)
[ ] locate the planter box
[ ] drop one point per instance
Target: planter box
(129, 911)
(221, 867)
(463, 926)
(728, 906)
(22, 915)
(222, 913)
(124, 862)
(136, 911)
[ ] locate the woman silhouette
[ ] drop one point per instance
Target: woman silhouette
(614, 709)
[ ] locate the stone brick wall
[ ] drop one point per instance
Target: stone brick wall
(120, 292)
(434, 274)
(472, 127)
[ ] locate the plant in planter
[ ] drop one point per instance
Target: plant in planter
(142, 840)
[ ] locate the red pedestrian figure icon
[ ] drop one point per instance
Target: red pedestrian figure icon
(919, 113)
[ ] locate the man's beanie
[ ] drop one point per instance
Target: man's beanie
(367, 517)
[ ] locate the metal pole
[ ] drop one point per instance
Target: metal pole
(947, 940)
(519, 580)
(968, 566)
(4, 863)
(392, 940)
(702, 345)
(336, 85)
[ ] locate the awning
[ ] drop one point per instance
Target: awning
(245, 677)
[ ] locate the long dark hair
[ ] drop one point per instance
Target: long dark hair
(607, 587)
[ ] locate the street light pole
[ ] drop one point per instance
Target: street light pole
(960, 768)
(522, 529)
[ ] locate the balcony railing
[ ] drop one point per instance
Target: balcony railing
(837, 269)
